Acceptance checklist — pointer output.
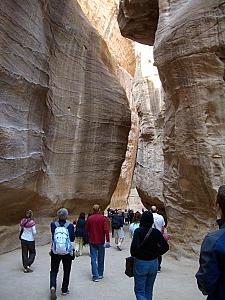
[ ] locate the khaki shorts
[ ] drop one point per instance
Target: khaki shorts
(119, 233)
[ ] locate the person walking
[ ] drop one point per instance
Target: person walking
(211, 274)
(135, 224)
(147, 243)
(80, 234)
(159, 223)
(61, 250)
(27, 235)
(117, 224)
(98, 232)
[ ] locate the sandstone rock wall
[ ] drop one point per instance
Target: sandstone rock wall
(64, 117)
(149, 101)
(103, 16)
(189, 53)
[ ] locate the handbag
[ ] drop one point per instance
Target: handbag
(21, 232)
(129, 266)
(129, 261)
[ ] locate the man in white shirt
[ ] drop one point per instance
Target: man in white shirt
(159, 223)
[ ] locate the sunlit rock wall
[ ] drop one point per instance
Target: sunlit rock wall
(64, 117)
(149, 101)
(103, 16)
(189, 52)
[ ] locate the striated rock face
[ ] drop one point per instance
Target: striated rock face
(103, 16)
(120, 196)
(189, 53)
(150, 106)
(64, 118)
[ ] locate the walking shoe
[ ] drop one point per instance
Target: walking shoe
(29, 269)
(53, 293)
(119, 248)
(100, 277)
(95, 279)
(65, 293)
(25, 270)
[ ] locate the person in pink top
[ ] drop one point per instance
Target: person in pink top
(27, 234)
(98, 233)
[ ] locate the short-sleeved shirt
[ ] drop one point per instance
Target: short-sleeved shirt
(158, 221)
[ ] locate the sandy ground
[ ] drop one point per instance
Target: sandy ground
(175, 282)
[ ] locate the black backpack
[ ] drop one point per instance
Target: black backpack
(116, 222)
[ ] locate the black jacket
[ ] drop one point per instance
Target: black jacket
(154, 246)
(211, 273)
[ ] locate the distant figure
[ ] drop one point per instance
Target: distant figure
(147, 243)
(135, 224)
(117, 224)
(27, 234)
(61, 250)
(98, 232)
(113, 212)
(130, 215)
(80, 234)
(126, 219)
(211, 273)
(159, 223)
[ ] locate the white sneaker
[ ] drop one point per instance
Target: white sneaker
(53, 293)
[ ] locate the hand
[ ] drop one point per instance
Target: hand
(107, 245)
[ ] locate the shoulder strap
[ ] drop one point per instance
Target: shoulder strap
(146, 237)
(66, 225)
(24, 224)
(57, 224)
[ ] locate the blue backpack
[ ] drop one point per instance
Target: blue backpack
(61, 243)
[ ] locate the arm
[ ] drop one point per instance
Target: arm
(131, 230)
(134, 244)
(53, 227)
(86, 227)
(34, 231)
(163, 245)
(209, 271)
(71, 232)
(106, 230)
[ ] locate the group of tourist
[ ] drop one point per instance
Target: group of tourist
(148, 244)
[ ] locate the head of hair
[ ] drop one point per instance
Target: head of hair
(62, 213)
(137, 217)
(146, 219)
(153, 209)
(82, 216)
(221, 199)
(96, 208)
(28, 213)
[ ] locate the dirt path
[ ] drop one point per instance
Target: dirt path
(175, 282)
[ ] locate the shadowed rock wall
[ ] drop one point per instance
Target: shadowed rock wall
(64, 118)
(189, 53)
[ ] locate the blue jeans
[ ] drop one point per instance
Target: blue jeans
(97, 252)
(145, 272)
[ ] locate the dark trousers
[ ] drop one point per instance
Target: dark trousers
(159, 262)
(55, 261)
(28, 253)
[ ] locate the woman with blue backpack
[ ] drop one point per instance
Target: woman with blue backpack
(61, 250)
